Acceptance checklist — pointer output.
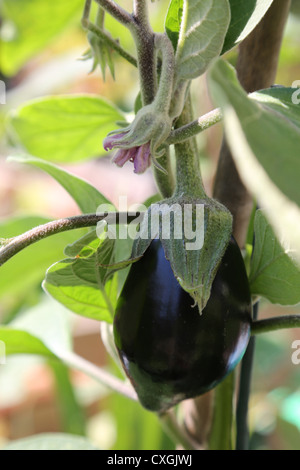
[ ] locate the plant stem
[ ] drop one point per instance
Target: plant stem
(77, 362)
(220, 437)
(144, 41)
(116, 11)
(276, 323)
(188, 175)
(176, 433)
(195, 127)
(109, 41)
(242, 430)
(165, 88)
(165, 180)
(14, 245)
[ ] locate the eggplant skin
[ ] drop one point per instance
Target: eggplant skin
(168, 350)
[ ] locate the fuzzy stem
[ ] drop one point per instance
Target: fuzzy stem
(188, 175)
(195, 127)
(144, 41)
(116, 11)
(14, 245)
(165, 180)
(109, 41)
(165, 89)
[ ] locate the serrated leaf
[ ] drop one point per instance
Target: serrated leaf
(202, 31)
(64, 128)
(265, 147)
(81, 284)
(85, 195)
(273, 272)
(245, 16)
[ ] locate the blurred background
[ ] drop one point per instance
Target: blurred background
(41, 57)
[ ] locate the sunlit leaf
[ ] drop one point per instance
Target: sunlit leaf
(202, 31)
(64, 128)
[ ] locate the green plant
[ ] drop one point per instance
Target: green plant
(258, 166)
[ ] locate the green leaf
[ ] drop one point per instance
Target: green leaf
(265, 147)
(273, 273)
(280, 100)
(245, 16)
(86, 196)
(64, 128)
(81, 283)
(22, 342)
(29, 25)
(173, 21)
(24, 272)
(51, 441)
(202, 31)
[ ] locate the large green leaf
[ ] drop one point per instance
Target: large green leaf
(29, 25)
(202, 31)
(280, 100)
(245, 16)
(81, 283)
(51, 441)
(23, 273)
(265, 147)
(273, 273)
(64, 128)
(86, 196)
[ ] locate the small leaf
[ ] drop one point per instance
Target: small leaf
(85, 195)
(273, 274)
(81, 284)
(173, 21)
(202, 31)
(245, 16)
(64, 128)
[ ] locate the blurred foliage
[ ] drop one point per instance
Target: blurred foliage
(36, 34)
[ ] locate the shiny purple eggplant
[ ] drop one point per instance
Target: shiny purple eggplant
(168, 350)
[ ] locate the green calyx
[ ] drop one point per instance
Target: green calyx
(194, 233)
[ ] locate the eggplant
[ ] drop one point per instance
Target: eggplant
(169, 351)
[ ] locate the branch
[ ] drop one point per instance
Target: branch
(77, 362)
(14, 245)
(276, 323)
(117, 12)
(195, 127)
(108, 40)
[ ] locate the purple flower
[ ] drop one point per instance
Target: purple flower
(139, 156)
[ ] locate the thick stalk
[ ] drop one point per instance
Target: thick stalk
(11, 247)
(144, 41)
(188, 175)
(256, 69)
